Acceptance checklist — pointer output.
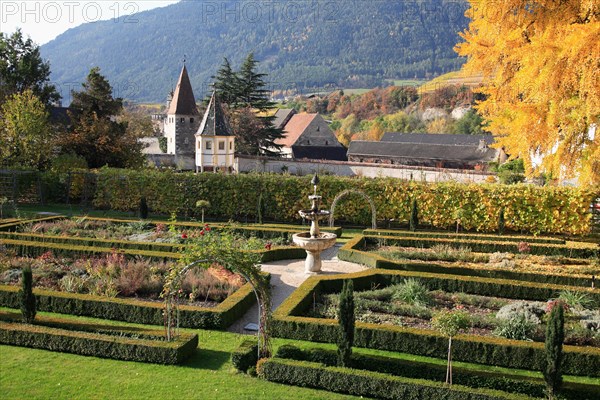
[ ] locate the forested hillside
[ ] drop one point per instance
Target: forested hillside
(300, 44)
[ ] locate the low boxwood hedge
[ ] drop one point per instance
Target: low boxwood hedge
(245, 355)
(486, 246)
(141, 312)
(94, 242)
(288, 322)
(14, 225)
(470, 377)
(352, 251)
(120, 343)
(369, 384)
(462, 236)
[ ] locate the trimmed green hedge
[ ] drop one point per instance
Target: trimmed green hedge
(245, 355)
(436, 372)
(288, 322)
(352, 251)
(486, 246)
(120, 343)
(141, 312)
(462, 236)
(93, 242)
(11, 226)
(369, 384)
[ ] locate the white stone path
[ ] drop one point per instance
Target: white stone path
(287, 275)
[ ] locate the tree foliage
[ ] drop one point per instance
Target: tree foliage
(27, 297)
(540, 64)
(22, 68)
(25, 134)
(346, 323)
(249, 107)
(450, 324)
(96, 135)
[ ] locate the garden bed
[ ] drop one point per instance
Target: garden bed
(106, 341)
(499, 265)
(292, 320)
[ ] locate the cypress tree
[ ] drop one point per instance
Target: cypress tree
(27, 297)
(346, 322)
(501, 221)
(555, 334)
(414, 216)
(143, 208)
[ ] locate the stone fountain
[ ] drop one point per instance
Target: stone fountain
(314, 242)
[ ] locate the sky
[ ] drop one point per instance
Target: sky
(45, 20)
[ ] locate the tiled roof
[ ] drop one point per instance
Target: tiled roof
(437, 138)
(214, 122)
(282, 116)
(337, 153)
(294, 128)
(183, 102)
(441, 152)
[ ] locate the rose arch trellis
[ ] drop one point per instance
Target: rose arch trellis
(360, 193)
(260, 285)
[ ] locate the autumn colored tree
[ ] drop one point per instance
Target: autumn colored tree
(25, 134)
(539, 60)
(96, 135)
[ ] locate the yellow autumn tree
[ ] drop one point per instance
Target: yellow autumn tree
(541, 66)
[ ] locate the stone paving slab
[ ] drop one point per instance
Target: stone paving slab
(287, 275)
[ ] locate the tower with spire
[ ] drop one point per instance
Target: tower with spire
(215, 141)
(182, 118)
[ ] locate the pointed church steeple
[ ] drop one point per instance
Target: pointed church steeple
(214, 122)
(183, 102)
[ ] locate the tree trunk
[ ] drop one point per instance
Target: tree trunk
(449, 366)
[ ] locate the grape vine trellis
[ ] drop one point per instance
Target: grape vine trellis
(223, 249)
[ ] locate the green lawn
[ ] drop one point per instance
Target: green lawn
(40, 374)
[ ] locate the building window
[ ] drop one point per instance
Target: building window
(200, 145)
(308, 142)
(231, 145)
(221, 145)
(191, 120)
(182, 120)
(208, 145)
(327, 143)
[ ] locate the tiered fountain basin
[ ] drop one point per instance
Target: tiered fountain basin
(314, 246)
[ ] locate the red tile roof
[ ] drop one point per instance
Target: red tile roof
(295, 128)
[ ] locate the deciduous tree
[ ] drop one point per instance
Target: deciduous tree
(25, 136)
(540, 65)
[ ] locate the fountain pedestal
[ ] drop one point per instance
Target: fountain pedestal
(314, 242)
(314, 247)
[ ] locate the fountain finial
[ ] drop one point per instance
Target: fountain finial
(315, 182)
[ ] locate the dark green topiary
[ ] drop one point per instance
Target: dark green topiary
(143, 208)
(555, 335)
(27, 297)
(414, 216)
(346, 321)
(501, 221)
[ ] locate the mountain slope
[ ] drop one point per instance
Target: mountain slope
(301, 44)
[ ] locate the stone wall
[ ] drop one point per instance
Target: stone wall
(341, 168)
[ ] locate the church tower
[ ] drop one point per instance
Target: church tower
(182, 119)
(215, 141)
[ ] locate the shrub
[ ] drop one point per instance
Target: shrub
(346, 321)
(27, 297)
(532, 311)
(517, 327)
(412, 291)
(245, 356)
(576, 300)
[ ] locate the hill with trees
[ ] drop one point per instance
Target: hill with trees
(301, 45)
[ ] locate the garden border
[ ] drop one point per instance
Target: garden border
(353, 251)
(78, 337)
(469, 348)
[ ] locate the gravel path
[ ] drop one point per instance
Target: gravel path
(287, 275)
